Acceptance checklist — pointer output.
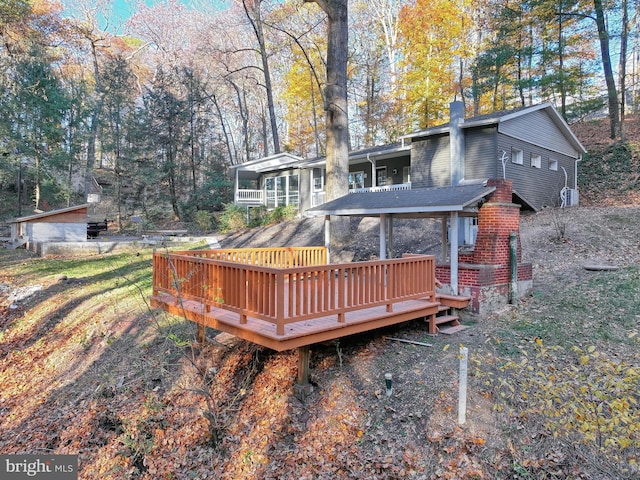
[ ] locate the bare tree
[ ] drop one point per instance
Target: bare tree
(252, 9)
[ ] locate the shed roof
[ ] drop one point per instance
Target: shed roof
(419, 202)
(51, 213)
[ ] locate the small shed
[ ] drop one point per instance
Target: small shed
(63, 225)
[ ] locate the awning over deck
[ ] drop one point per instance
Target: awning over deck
(415, 203)
(437, 202)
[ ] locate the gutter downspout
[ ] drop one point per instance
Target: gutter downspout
(575, 174)
(373, 171)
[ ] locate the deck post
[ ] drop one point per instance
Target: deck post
(327, 237)
(302, 389)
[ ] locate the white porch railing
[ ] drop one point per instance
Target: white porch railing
(318, 198)
(383, 188)
(249, 197)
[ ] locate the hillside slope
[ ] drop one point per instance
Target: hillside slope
(609, 173)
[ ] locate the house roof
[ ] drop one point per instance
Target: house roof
(282, 161)
(500, 117)
(50, 213)
(419, 202)
(273, 162)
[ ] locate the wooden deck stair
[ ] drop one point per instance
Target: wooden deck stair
(447, 311)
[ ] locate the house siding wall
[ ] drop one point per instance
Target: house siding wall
(484, 147)
(481, 159)
(539, 187)
(539, 129)
(52, 231)
(306, 188)
(431, 162)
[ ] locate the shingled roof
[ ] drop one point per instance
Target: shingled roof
(419, 202)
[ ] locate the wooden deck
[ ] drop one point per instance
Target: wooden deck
(289, 298)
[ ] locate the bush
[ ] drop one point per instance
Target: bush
(204, 220)
(233, 218)
(281, 214)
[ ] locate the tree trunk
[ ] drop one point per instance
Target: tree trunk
(335, 98)
(623, 64)
(612, 94)
(94, 131)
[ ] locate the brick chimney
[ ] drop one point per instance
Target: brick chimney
(497, 218)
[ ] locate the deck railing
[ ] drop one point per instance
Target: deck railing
(266, 257)
(249, 197)
(382, 188)
(291, 294)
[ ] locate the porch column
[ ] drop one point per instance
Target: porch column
(454, 252)
(383, 236)
(327, 237)
(236, 185)
(374, 177)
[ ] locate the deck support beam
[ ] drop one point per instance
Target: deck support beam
(383, 236)
(327, 237)
(390, 247)
(303, 388)
(454, 253)
(445, 240)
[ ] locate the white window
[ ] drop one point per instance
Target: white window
(536, 161)
(318, 179)
(516, 156)
(356, 180)
(553, 164)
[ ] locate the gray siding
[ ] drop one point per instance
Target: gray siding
(430, 162)
(539, 187)
(539, 129)
(306, 189)
(398, 164)
(481, 157)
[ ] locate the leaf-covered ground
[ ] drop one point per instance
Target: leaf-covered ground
(86, 367)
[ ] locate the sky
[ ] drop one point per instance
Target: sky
(124, 9)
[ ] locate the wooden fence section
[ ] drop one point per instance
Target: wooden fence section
(283, 296)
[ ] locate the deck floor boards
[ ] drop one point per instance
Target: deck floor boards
(297, 334)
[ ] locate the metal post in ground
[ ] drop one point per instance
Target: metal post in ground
(513, 264)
